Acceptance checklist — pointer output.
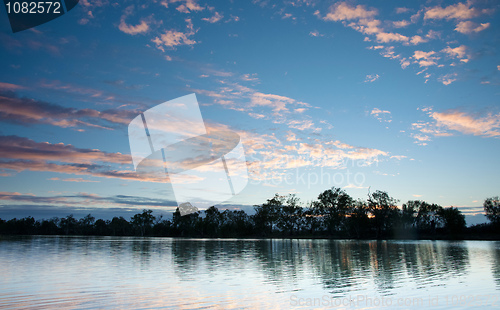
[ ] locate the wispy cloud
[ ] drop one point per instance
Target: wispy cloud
(447, 79)
(78, 180)
(217, 17)
(366, 20)
(468, 27)
(29, 111)
(315, 33)
(402, 10)
(442, 124)
(250, 77)
(487, 126)
(142, 27)
(381, 115)
(188, 6)
(22, 154)
(459, 11)
(344, 11)
(460, 52)
(303, 125)
(425, 59)
(14, 147)
(86, 199)
(363, 20)
(276, 102)
(173, 38)
(401, 23)
(235, 96)
(11, 87)
(371, 78)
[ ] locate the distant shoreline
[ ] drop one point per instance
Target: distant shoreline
(335, 215)
(492, 237)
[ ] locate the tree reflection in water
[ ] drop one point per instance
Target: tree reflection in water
(339, 265)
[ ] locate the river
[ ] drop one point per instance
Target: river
(42, 272)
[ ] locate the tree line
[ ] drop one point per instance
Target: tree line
(334, 214)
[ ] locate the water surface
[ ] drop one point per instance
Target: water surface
(43, 272)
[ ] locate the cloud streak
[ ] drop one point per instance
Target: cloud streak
(85, 199)
(25, 111)
(22, 154)
(443, 124)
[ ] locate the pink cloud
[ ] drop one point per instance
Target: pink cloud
(455, 11)
(174, 38)
(454, 120)
(29, 111)
(488, 126)
(217, 17)
(344, 11)
(8, 86)
(468, 27)
(142, 27)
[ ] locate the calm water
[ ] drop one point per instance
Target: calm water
(121, 272)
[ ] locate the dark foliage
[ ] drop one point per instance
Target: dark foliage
(333, 215)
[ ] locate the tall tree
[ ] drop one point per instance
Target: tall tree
(334, 205)
(492, 209)
(289, 219)
(266, 215)
(384, 211)
(212, 222)
(186, 225)
(409, 213)
(87, 224)
(120, 226)
(358, 221)
(69, 225)
(453, 219)
(143, 221)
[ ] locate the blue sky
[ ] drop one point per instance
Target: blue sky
(400, 96)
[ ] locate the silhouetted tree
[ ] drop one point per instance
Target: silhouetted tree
(427, 215)
(24, 226)
(357, 221)
(384, 211)
(236, 223)
(162, 228)
(334, 205)
(266, 215)
(492, 209)
(143, 221)
(289, 215)
(69, 225)
(87, 224)
(49, 227)
(101, 227)
(120, 226)
(311, 219)
(334, 213)
(453, 219)
(212, 222)
(187, 225)
(409, 212)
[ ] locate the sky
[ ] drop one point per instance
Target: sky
(398, 96)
